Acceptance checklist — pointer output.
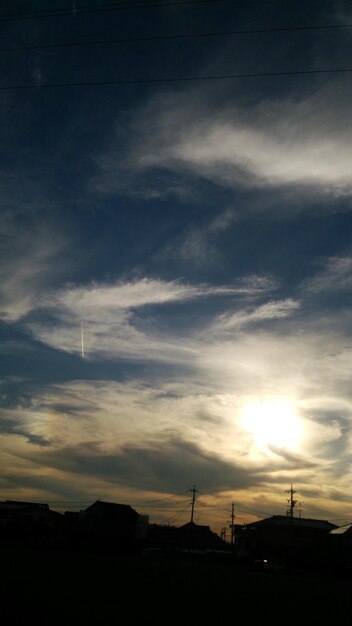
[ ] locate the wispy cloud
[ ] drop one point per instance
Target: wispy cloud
(160, 467)
(335, 276)
(267, 144)
(86, 301)
(113, 324)
(120, 433)
(28, 266)
(69, 429)
(274, 310)
(198, 245)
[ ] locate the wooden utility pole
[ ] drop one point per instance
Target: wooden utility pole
(291, 502)
(232, 525)
(193, 492)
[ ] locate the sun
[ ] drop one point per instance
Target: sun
(273, 424)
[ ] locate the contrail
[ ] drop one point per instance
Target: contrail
(82, 341)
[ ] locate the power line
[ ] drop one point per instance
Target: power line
(126, 40)
(160, 507)
(177, 515)
(166, 502)
(145, 81)
(254, 512)
(72, 12)
(173, 495)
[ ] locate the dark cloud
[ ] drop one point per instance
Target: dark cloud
(16, 427)
(336, 450)
(170, 467)
(295, 461)
(58, 487)
(338, 495)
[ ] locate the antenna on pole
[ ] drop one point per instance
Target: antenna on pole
(291, 502)
(82, 341)
(232, 525)
(193, 492)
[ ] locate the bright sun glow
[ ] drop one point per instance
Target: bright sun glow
(273, 423)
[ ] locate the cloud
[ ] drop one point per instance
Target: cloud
(111, 415)
(164, 436)
(335, 276)
(86, 302)
(16, 427)
(274, 310)
(114, 326)
(29, 264)
(198, 244)
(166, 468)
(295, 461)
(217, 372)
(270, 143)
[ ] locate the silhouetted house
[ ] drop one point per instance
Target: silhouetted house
(193, 536)
(284, 537)
(188, 538)
(340, 544)
(24, 518)
(162, 536)
(72, 526)
(342, 535)
(117, 523)
(71, 518)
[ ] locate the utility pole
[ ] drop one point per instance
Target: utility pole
(232, 525)
(193, 492)
(291, 502)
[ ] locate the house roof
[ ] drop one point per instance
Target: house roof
(111, 508)
(283, 521)
(15, 509)
(342, 530)
(14, 505)
(197, 527)
(200, 536)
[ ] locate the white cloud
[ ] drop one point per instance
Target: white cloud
(112, 326)
(335, 276)
(108, 300)
(28, 266)
(307, 365)
(277, 309)
(198, 245)
(270, 143)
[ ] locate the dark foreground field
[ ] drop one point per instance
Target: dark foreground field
(67, 587)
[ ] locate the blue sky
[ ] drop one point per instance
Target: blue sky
(200, 233)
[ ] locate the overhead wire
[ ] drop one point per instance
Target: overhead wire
(177, 515)
(127, 40)
(146, 81)
(76, 504)
(172, 495)
(160, 508)
(83, 10)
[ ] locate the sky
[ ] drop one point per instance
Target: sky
(176, 264)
